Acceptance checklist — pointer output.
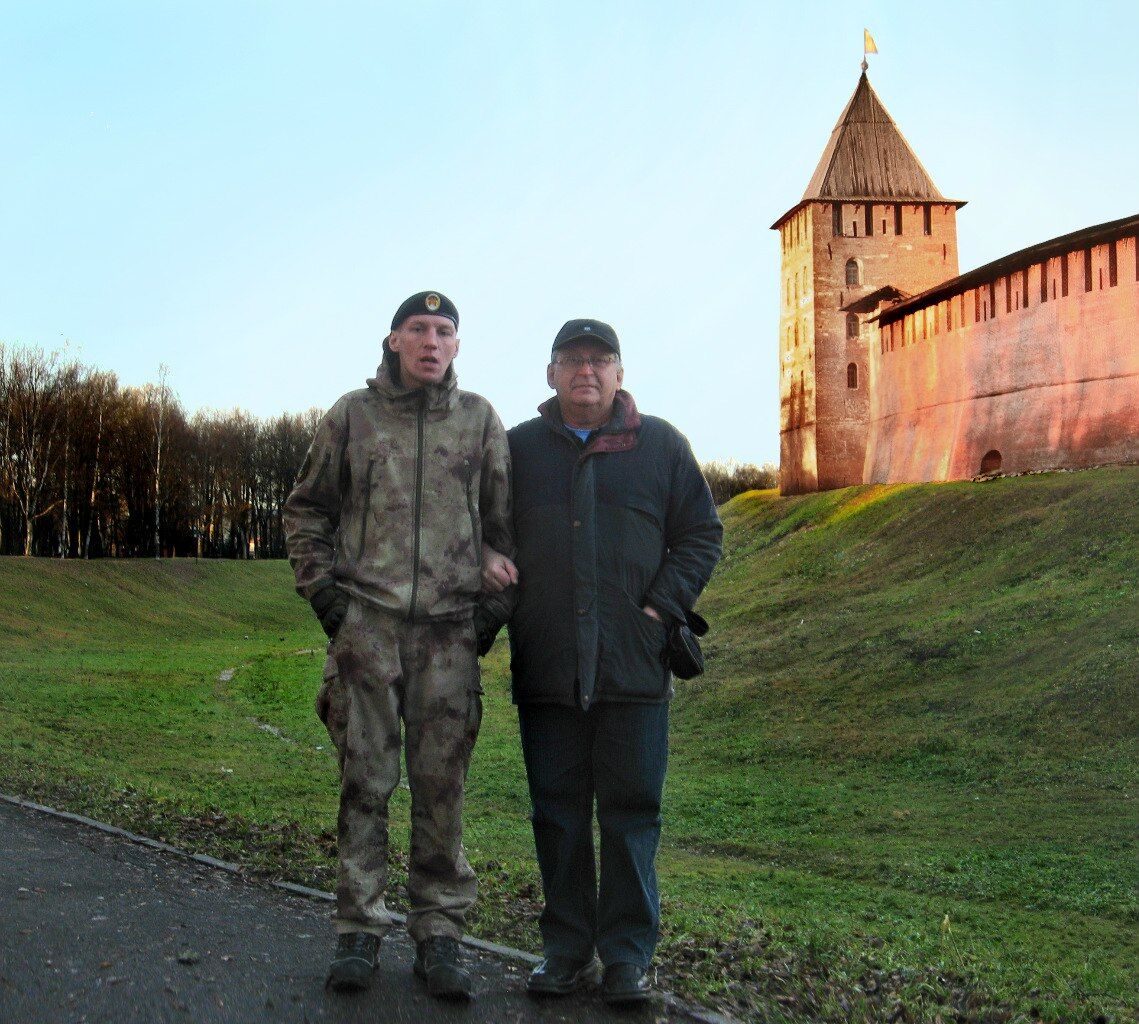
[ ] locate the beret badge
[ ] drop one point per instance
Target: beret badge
(432, 302)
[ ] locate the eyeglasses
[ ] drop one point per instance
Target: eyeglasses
(576, 363)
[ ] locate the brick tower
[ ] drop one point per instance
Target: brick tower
(871, 225)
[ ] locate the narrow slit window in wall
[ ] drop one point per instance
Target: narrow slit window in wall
(852, 274)
(897, 218)
(852, 375)
(1024, 286)
(836, 219)
(1064, 275)
(1044, 281)
(927, 219)
(869, 210)
(1087, 270)
(852, 325)
(1112, 266)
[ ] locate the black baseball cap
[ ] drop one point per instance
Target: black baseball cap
(587, 330)
(434, 303)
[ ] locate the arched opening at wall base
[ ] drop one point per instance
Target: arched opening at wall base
(991, 463)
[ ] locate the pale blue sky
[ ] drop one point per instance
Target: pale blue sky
(246, 191)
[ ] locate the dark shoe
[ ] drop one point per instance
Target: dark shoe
(625, 983)
(561, 975)
(353, 962)
(437, 963)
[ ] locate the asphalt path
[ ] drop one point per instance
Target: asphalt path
(97, 927)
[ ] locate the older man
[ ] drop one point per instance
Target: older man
(616, 536)
(385, 528)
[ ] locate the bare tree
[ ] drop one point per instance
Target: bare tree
(34, 408)
(159, 395)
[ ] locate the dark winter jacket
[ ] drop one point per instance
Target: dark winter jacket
(602, 529)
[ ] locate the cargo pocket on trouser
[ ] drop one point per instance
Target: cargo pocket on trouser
(474, 701)
(332, 706)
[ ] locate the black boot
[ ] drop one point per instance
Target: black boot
(437, 963)
(353, 962)
(625, 984)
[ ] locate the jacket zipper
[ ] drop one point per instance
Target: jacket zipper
(367, 508)
(418, 505)
(474, 517)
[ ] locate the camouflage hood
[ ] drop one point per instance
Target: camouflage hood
(387, 383)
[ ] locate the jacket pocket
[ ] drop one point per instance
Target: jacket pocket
(473, 513)
(632, 651)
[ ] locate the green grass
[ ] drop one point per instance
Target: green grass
(903, 790)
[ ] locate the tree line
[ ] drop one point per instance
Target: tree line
(90, 469)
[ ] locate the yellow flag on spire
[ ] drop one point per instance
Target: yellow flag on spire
(868, 45)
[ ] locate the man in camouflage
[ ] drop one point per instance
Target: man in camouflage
(406, 487)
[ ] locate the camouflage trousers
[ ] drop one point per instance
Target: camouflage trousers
(382, 670)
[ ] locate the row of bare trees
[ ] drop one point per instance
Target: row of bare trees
(90, 468)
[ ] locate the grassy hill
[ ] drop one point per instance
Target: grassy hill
(902, 790)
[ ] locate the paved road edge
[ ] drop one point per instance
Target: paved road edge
(693, 1013)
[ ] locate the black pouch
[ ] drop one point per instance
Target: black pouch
(682, 651)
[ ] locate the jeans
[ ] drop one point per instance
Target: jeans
(616, 754)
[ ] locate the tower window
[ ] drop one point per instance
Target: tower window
(1008, 294)
(993, 297)
(1044, 281)
(1087, 270)
(836, 219)
(1112, 266)
(852, 273)
(1024, 286)
(869, 210)
(949, 314)
(927, 219)
(796, 334)
(851, 325)
(1064, 275)
(897, 218)
(852, 375)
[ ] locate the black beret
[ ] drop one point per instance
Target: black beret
(435, 303)
(587, 330)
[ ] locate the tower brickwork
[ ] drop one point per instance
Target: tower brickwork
(870, 218)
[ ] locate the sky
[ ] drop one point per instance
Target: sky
(244, 192)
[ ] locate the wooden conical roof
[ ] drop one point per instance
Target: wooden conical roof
(867, 158)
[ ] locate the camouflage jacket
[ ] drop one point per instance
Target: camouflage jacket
(395, 496)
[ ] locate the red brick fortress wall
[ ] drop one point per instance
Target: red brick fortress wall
(912, 246)
(1035, 368)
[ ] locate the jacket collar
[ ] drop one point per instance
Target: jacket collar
(618, 435)
(438, 396)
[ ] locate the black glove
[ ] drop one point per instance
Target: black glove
(486, 629)
(330, 604)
